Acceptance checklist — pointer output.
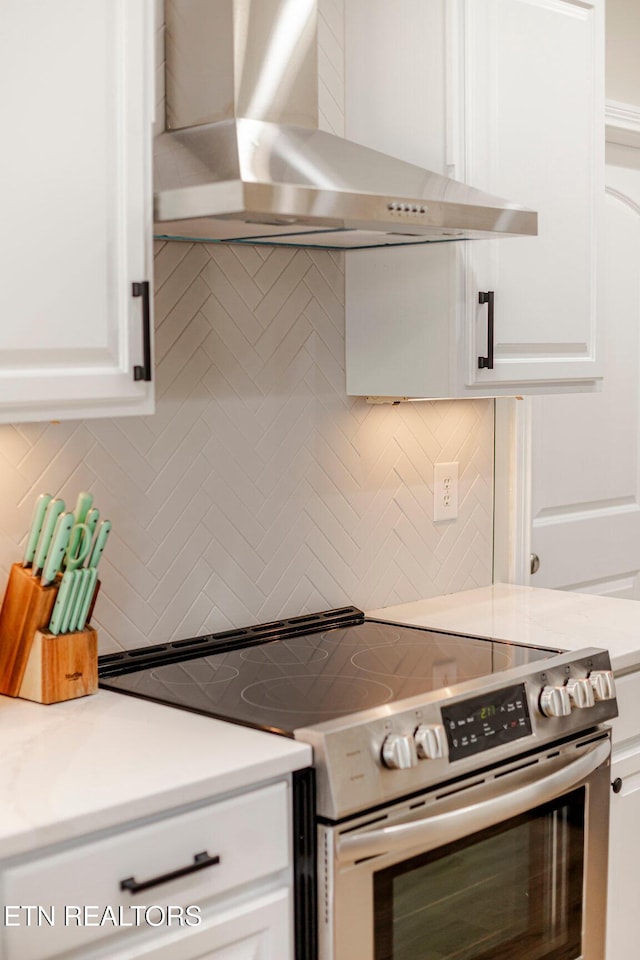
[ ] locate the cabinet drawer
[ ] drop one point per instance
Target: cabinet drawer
(627, 724)
(249, 834)
(258, 929)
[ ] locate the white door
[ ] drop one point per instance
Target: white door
(77, 98)
(586, 448)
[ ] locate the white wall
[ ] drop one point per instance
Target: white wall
(259, 489)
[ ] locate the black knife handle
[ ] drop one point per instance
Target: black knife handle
(486, 363)
(200, 861)
(142, 290)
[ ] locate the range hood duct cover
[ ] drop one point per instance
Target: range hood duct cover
(243, 160)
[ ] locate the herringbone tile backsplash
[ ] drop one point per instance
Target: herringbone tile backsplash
(259, 489)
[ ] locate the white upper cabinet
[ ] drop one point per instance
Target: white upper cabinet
(75, 175)
(535, 134)
(506, 95)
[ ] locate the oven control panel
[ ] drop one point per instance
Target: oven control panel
(480, 723)
(492, 719)
(483, 722)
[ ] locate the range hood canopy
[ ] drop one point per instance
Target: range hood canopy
(243, 159)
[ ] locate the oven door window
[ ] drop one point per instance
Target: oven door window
(513, 892)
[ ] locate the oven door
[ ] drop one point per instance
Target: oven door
(510, 864)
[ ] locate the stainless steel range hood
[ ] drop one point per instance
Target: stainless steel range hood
(243, 160)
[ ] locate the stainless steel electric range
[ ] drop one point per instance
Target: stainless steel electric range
(460, 807)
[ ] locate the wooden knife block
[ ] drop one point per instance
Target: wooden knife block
(35, 664)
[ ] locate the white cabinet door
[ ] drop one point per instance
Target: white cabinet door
(534, 119)
(515, 108)
(623, 918)
(259, 928)
(76, 82)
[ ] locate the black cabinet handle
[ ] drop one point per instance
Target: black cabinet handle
(486, 363)
(200, 861)
(616, 786)
(142, 290)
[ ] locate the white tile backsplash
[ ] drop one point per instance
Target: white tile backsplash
(259, 489)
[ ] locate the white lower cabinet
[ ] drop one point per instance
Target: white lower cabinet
(623, 916)
(210, 882)
(259, 930)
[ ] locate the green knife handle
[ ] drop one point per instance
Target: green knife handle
(83, 504)
(79, 599)
(87, 597)
(56, 550)
(40, 509)
(55, 508)
(71, 599)
(103, 532)
(61, 601)
(92, 520)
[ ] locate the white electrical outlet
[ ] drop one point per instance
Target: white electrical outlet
(445, 491)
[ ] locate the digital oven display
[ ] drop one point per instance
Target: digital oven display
(483, 722)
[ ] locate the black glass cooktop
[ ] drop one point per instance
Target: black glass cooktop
(297, 681)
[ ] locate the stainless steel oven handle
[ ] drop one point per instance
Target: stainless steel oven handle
(471, 818)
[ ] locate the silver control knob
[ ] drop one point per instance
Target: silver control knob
(580, 693)
(431, 741)
(602, 684)
(555, 702)
(399, 751)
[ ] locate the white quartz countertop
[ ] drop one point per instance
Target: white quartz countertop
(531, 615)
(88, 764)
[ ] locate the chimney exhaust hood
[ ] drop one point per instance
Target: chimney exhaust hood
(243, 161)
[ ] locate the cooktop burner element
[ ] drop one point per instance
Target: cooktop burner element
(331, 696)
(283, 653)
(198, 672)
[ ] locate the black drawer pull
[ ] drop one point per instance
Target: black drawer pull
(486, 363)
(142, 290)
(200, 861)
